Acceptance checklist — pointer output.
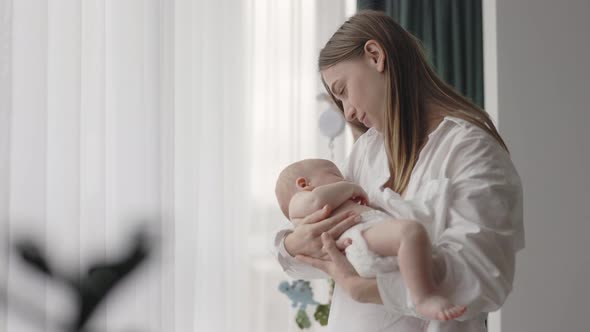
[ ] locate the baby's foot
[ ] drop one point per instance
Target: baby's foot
(439, 308)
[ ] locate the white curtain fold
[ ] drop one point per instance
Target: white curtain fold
(175, 113)
(5, 133)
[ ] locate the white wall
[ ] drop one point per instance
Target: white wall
(543, 52)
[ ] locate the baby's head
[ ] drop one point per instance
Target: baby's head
(304, 175)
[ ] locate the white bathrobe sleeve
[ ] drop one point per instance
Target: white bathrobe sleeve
(477, 231)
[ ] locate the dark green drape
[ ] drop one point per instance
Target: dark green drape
(451, 33)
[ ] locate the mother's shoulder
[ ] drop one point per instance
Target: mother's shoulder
(462, 142)
(461, 129)
(465, 142)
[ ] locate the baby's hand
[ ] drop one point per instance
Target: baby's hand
(342, 243)
(359, 195)
(360, 200)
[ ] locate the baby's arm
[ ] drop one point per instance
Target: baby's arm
(334, 194)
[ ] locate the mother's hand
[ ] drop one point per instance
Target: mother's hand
(338, 267)
(305, 238)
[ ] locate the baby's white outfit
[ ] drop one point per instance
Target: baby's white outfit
(366, 262)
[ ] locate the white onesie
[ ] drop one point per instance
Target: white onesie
(367, 263)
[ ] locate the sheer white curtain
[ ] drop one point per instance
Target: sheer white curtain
(83, 152)
(178, 112)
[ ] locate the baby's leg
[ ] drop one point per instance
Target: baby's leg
(408, 240)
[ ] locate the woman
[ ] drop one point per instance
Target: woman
(430, 155)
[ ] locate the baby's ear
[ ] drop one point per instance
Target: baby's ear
(301, 183)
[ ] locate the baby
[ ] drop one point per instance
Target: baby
(306, 186)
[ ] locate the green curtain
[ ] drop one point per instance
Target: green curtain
(451, 33)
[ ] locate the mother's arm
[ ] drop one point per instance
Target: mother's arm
(474, 257)
(337, 266)
(305, 239)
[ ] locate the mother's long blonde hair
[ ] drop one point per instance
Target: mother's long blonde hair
(411, 83)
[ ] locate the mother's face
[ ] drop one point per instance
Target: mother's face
(360, 85)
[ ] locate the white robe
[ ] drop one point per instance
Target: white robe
(465, 190)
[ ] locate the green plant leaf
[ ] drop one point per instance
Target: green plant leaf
(322, 312)
(302, 319)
